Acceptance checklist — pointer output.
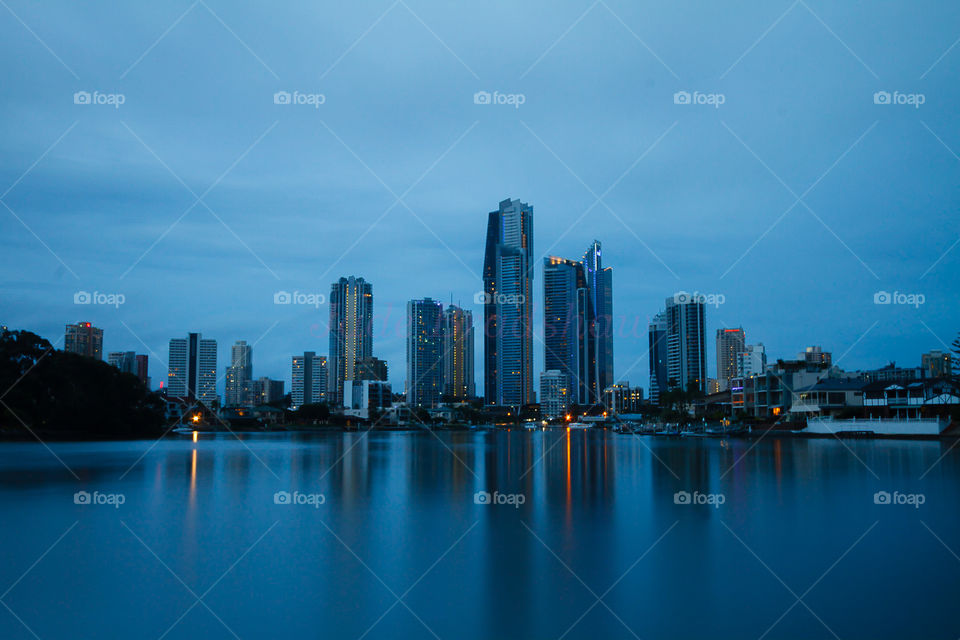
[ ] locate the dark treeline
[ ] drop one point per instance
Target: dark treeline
(56, 394)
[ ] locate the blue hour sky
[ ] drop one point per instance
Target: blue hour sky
(814, 165)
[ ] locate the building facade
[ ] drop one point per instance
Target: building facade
(351, 331)
(565, 343)
(192, 371)
(508, 305)
(85, 339)
(131, 362)
(730, 344)
(237, 388)
(657, 353)
(555, 397)
(457, 351)
(686, 348)
(937, 364)
(752, 361)
(308, 379)
(371, 369)
(599, 323)
(424, 352)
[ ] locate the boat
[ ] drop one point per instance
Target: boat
(578, 425)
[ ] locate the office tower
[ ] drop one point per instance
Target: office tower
(130, 362)
(657, 351)
(193, 369)
(937, 364)
(85, 339)
(565, 343)
(308, 379)
(424, 352)
(686, 344)
(752, 361)
(457, 353)
(264, 391)
(555, 395)
(239, 375)
(351, 331)
(599, 323)
(815, 355)
(371, 369)
(508, 305)
(730, 344)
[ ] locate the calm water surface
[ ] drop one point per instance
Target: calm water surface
(794, 545)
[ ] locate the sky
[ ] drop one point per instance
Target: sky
(792, 160)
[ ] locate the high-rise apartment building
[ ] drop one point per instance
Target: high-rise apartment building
(508, 305)
(565, 330)
(752, 361)
(371, 369)
(424, 352)
(730, 344)
(130, 362)
(555, 395)
(85, 339)
(351, 331)
(937, 364)
(686, 344)
(657, 352)
(599, 323)
(308, 379)
(816, 355)
(192, 371)
(457, 353)
(239, 375)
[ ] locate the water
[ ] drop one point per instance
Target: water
(400, 549)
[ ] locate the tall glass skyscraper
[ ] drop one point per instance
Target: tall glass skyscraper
(565, 348)
(458, 353)
(686, 344)
(578, 323)
(424, 352)
(508, 305)
(658, 356)
(351, 331)
(237, 390)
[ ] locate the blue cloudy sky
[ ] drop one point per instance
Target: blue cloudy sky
(796, 199)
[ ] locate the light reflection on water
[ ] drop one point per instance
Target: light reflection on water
(399, 514)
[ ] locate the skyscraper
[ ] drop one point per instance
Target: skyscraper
(85, 339)
(457, 353)
(554, 394)
(730, 344)
(193, 369)
(565, 330)
(239, 374)
(351, 331)
(308, 379)
(658, 356)
(599, 323)
(371, 369)
(508, 305)
(424, 352)
(686, 348)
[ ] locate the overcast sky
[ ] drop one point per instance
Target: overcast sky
(788, 192)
